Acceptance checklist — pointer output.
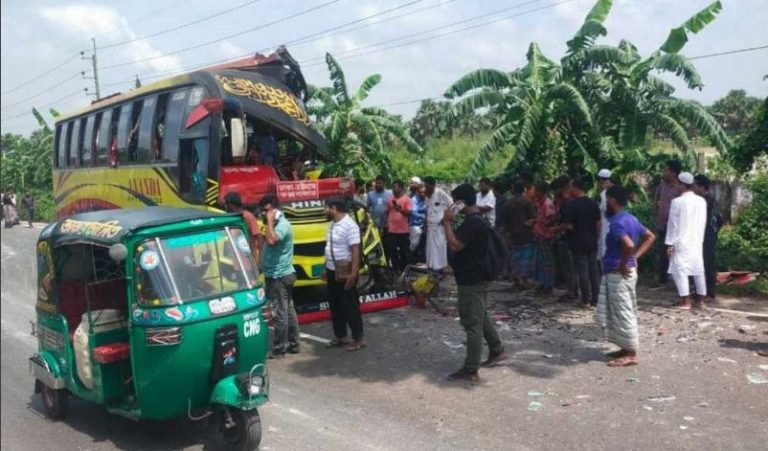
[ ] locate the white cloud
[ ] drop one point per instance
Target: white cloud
(89, 20)
(229, 50)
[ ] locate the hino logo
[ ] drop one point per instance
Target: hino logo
(298, 205)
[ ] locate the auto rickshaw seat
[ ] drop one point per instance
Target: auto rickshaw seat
(112, 352)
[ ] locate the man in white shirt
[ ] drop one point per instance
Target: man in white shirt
(437, 202)
(342, 251)
(685, 236)
(486, 201)
(605, 182)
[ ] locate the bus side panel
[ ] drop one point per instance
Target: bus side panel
(83, 190)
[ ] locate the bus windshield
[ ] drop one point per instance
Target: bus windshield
(176, 269)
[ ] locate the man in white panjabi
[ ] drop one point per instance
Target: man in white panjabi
(437, 247)
(605, 182)
(685, 236)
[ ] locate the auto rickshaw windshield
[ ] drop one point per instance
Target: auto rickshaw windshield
(172, 270)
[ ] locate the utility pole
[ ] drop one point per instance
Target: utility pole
(95, 77)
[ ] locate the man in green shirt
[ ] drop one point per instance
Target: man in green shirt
(280, 277)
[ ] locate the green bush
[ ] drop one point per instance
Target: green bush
(745, 245)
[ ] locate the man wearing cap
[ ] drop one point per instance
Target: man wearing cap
(662, 200)
(470, 246)
(416, 220)
(684, 241)
(605, 182)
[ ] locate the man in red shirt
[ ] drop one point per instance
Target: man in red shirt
(544, 233)
(398, 241)
(234, 204)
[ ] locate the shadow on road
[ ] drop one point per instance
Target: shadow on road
(94, 421)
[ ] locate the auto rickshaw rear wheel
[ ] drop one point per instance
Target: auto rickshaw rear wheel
(55, 401)
(245, 433)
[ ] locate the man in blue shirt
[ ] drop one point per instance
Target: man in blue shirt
(378, 199)
(416, 221)
(280, 277)
(617, 302)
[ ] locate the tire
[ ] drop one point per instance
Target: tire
(55, 402)
(245, 435)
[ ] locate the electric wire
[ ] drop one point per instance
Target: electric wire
(178, 27)
(72, 94)
(344, 54)
(38, 94)
(38, 77)
(207, 43)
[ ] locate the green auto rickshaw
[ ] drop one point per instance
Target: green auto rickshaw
(155, 313)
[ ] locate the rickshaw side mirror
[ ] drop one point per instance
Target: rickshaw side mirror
(118, 252)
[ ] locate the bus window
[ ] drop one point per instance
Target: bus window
(174, 115)
(80, 140)
(133, 135)
(72, 149)
(158, 126)
(103, 137)
(193, 163)
(146, 132)
(123, 131)
(87, 139)
(61, 145)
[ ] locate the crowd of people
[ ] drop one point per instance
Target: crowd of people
(555, 235)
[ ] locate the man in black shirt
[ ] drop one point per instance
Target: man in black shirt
(582, 219)
(470, 244)
(714, 223)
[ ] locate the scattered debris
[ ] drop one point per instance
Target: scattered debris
(684, 427)
(534, 406)
(703, 404)
(662, 398)
(547, 356)
(453, 345)
(632, 379)
(689, 419)
(583, 396)
(757, 379)
(746, 328)
(763, 367)
(723, 359)
(535, 394)
(648, 408)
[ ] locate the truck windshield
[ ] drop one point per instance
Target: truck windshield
(181, 268)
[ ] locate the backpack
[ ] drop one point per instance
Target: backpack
(496, 255)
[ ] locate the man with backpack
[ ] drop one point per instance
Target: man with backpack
(474, 265)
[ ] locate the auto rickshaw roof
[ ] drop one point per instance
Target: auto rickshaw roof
(111, 226)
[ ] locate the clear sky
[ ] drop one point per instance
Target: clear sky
(37, 36)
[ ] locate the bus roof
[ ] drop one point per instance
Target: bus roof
(270, 87)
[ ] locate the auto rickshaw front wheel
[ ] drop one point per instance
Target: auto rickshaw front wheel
(243, 433)
(55, 401)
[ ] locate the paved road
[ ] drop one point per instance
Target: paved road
(691, 391)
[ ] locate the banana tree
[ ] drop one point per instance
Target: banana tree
(599, 98)
(357, 136)
(545, 117)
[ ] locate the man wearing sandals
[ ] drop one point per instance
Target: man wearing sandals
(685, 238)
(342, 263)
(470, 246)
(617, 302)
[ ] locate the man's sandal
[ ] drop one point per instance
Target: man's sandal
(355, 347)
(623, 361)
(336, 343)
